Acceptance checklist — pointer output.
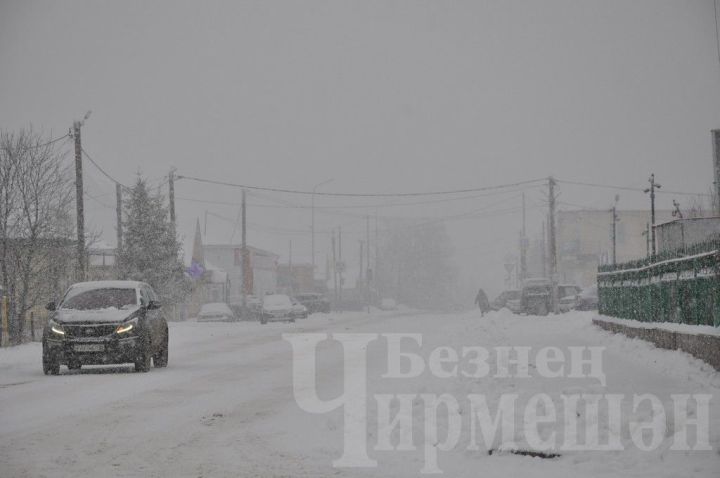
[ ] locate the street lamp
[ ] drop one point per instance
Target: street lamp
(312, 226)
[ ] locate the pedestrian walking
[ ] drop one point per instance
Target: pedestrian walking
(481, 300)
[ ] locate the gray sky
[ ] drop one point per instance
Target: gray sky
(380, 96)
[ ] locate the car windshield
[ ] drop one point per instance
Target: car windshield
(277, 301)
(95, 299)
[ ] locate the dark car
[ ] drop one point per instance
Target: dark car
(105, 322)
(536, 296)
(314, 302)
(509, 299)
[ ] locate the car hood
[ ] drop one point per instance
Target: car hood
(276, 308)
(109, 315)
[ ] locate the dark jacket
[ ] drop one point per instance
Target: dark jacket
(481, 300)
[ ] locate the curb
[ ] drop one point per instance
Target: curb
(702, 346)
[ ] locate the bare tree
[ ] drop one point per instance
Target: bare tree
(35, 222)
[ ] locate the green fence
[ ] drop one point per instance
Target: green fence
(682, 286)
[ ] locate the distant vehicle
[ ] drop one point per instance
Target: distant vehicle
(105, 322)
(587, 299)
(536, 296)
(509, 299)
(298, 311)
(276, 307)
(215, 312)
(314, 302)
(253, 305)
(388, 304)
(567, 297)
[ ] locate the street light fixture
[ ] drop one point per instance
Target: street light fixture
(312, 226)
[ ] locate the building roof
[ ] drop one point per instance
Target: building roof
(688, 219)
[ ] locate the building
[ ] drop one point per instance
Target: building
(584, 241)
(262, 276)
(101, 263)
(683, 233)
(296, 278)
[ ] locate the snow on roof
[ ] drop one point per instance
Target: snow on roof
(109, 284)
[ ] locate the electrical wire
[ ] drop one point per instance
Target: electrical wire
(105, 173)
(310, 193)
(52, 141)
(627, 188)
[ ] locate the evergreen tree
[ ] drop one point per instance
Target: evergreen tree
(150, 250)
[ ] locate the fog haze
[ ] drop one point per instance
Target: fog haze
(381, 97)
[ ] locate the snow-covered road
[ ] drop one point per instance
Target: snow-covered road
(225, 404)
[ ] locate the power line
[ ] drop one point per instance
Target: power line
(627, 188)
(105, 173)
(309, 193)
(52, 141)
(94, 198)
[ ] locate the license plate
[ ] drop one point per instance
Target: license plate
(89, 348)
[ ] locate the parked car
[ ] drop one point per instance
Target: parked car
(298, 311)
(567, 297)
(252, 308)
(388, 304)
(536, 296)
(276, 307)
(509, 299)
(587, 299)
(215, 312)
(105, 322)
(314, 302)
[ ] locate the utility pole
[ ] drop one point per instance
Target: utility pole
(171, 195)
(678, 214)
(716, 168)
(205, 225)
(615, 220)
(79, 202)
(118, 213)
(335, 271)
(543, 250)
(376, 277)
(362, 263)
(651, 190)
(290, 268)
(553, 245)
(342, 264)
(368, 272)
(245, 257)
(312, 224)
(523, 245)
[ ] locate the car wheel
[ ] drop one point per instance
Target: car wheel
(74, 365)
(50, 366)
(263, 319)
(160, 359)
(144, 360)
(292, 319)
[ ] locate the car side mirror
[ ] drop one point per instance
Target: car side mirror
(50, 306)
(153, 305)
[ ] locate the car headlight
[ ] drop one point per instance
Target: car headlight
(56, 328)
(126, 327)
